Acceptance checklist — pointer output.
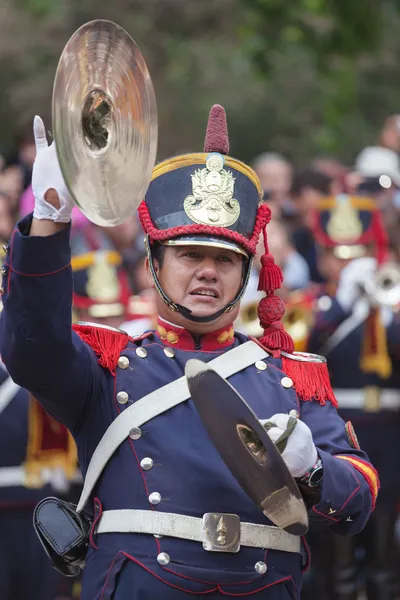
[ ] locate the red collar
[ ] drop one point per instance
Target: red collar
(179, 337)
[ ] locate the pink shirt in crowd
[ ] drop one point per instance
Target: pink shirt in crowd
(27, 203)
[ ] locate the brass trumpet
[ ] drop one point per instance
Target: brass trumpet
(384, 288)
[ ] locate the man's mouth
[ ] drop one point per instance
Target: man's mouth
(205, 292)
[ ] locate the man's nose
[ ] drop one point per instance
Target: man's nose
(207, 270)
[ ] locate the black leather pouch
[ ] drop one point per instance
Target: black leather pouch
(63, 533)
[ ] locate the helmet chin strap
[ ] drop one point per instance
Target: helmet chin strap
(186, 312)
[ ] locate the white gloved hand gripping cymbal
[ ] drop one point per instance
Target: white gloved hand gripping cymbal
(46, 175)
(295, 442)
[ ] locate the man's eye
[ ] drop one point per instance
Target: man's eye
(225, 259)
(191, 254)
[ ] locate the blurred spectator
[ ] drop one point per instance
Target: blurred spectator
(332, 168)
(123, 236)
(295, 270)
(308, 187)
(27, 203)
(390, 134)
(6, 221)
(378, 171)
(11, 185)
(26, 154)
(275, 174)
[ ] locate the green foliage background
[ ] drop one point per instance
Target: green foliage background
(301, 77)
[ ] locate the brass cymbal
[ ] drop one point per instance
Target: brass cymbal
(104, 122)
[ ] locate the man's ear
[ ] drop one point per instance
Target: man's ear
(149, 276)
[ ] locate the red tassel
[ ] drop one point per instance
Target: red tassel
(107, 344)
(276, 338)
(311, 380)
(271, 276)
(270, 309)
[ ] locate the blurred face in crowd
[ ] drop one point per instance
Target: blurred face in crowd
(27, 153)
(276, 178)
(278, 244)
(11, 183)
(203, 279)
(123, 236)
(334, 170)
(390, 134)
(387, 198)
(6, 222)
(306, 202)
(330, 266)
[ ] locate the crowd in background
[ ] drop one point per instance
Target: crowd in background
(291, 193)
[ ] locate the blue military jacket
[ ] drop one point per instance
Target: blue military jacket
(13, 448)
(44, 355)
(38, 451)
(376, 421)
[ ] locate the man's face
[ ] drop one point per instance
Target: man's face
(330, 266)
(275, 178)
(6, 222)
(307, 203)
(201, 278)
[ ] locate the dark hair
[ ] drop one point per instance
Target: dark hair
(311, 178)
(158, 253)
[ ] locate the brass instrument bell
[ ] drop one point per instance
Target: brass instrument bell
(384, 288)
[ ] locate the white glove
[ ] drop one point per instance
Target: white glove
(352, 281)
(300, 453)
(46, 175)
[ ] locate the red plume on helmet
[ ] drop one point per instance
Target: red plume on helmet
(217, 139)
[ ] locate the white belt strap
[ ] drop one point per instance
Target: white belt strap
(389, 399)
(18, 476)
(12, 476)
(156, 403)
(8, 389)
(360, 312)
(191, 528)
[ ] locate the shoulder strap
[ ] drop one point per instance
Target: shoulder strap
(156, 403)
(8, 390)
(359, 314)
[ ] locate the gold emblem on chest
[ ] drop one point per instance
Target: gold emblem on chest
(212, 201)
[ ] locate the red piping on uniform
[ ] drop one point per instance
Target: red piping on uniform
(317, 512)
(208, 582)
(214, 589)
(38, 274)
(99, 508)
(240, 594)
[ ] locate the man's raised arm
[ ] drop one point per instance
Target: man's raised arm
(37, 343)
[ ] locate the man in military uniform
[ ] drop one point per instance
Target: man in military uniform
(360, 338)
(154, 473)
(37, 458)
(39, 455)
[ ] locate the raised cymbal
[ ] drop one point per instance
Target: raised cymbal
(104, 122)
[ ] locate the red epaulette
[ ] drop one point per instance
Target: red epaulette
(310, 376)
(107, 342)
